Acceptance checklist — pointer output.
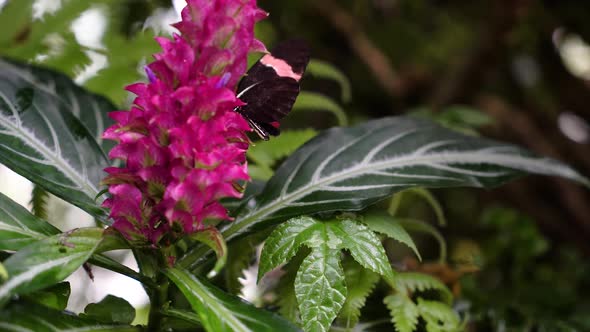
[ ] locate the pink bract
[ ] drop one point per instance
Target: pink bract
(182, 145)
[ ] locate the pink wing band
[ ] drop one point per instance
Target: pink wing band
(280, 66)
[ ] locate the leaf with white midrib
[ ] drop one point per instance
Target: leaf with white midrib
(351, 168)
(41, 139)
(91, 109)
(48, 261)
(220, 311)
(18, 227)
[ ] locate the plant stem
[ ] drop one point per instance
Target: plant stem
(158, 301)
(151, 263)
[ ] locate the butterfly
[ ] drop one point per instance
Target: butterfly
(271, 86)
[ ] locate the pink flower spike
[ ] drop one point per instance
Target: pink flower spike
(182, 145)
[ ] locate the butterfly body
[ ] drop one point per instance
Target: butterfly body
(271, 86)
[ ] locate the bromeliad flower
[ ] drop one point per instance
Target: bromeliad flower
(182, 144)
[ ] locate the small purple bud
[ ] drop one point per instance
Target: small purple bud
(223, 80)
(150, 74)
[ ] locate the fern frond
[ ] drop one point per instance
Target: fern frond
(39, 199)
(404, 312)
(438, 316)
(412, 281)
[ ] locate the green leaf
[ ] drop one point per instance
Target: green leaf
(320, 288)
(55, 297)
(424, 227)
(348, 169)
(28, 317)
(18, 227)
(48, 261)
(189, 319)
(404, 312)
(364, 246)
(38, 202)
(111, 309)
(319, 284)
(439, 317)
(312, 101)
(3, 274)
(432, 201)
(287, 300)
(239, 258)
(360, 282)
(41, 139)
(385, 224)
(91, 109)
(14, 20)
(284, 242)
(457, 117)
(266, 154)
(325, 70)
(212, 238)
(412, 282)
(220, 311)
(465, 116)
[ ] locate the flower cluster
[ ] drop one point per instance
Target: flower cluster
(182, 145)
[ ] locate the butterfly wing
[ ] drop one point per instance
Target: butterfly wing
(270, 100)
(271, 86)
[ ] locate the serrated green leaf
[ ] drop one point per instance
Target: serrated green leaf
(385, 224)
(28, 317)
(413, 281)
(55, 297)
(284, 242)
(360, 282)
(220, 311)
(404, 312)
(320, 288)
(48, 261)
(364, 246)
(18, 227)
(439, 317)
(313, 101)
(287, 300)
(346, 169)
(42, 140)
(111, 309)
(325, 70)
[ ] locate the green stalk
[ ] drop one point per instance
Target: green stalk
(151, 263)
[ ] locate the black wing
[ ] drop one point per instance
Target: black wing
(269, 95)
(294, 52)
(270, 100)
